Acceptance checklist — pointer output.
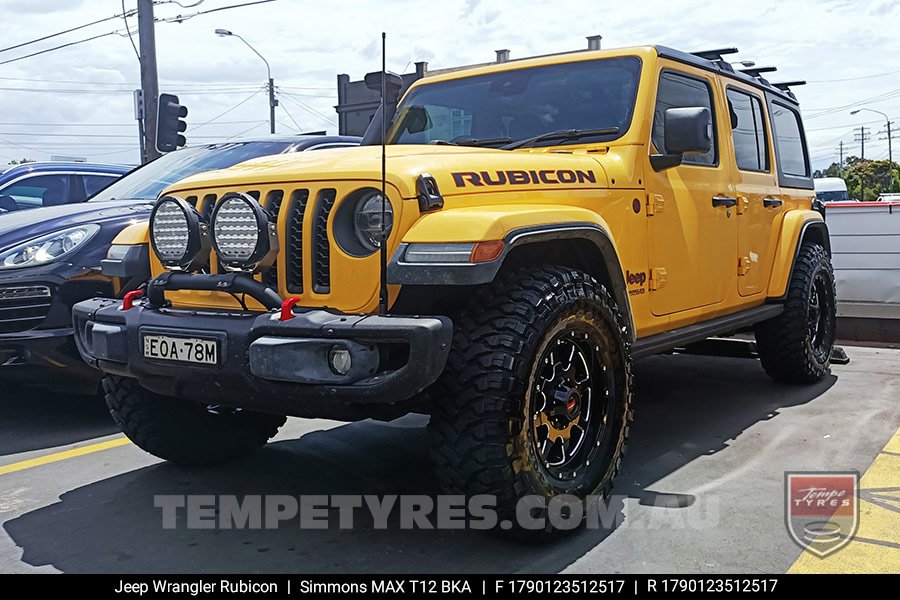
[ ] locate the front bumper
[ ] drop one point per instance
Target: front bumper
(270, 365)
(37, 345)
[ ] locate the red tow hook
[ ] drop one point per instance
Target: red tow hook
(130, 297)
(287, 308)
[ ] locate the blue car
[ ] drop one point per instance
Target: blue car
(38, 184)
(50, 257)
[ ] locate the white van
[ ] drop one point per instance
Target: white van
(831, 189)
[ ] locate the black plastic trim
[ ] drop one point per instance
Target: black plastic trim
(663, 342)
(404, 273)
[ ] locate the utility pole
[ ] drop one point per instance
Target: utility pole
(861, 137)
(273, 103)
(841, 160)
(887, 125)
(149, 78)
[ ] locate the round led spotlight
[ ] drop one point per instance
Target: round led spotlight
(243, 234)
(179, 237)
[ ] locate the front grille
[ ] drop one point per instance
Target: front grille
(273, 205)
(321, 250)
(23, 308)
(294, 242)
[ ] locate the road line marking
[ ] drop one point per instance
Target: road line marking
(877, 549)
(64, 455)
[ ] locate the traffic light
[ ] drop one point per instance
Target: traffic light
(170, 124)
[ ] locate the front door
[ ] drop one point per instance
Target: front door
(692, 227)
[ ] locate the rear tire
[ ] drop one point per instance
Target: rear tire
(182, 431)
(795, 346)
(536, 396)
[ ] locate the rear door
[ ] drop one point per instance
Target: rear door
(760, 207)
(693, 230)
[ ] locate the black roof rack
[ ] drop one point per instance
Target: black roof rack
(715, 54)
(785, 86)
(756, 71)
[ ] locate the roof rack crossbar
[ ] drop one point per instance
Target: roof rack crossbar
(785, 86)
(715, 54)
(756, 71)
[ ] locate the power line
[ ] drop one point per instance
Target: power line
(128, 29)
(65, 31)
(176, 19)
(854, 78)
(244, 101)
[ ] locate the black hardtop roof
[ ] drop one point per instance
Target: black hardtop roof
(720, 66)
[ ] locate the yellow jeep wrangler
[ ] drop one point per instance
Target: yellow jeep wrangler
(547, 221)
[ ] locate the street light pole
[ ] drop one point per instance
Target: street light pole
(271, 84)
(887, 122)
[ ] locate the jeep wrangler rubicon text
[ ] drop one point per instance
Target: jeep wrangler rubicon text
(548, 221)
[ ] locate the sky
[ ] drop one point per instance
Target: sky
(77, 101)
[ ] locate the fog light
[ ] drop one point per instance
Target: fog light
(339, 360)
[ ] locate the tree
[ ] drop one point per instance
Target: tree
(21, 162)
(866, 179)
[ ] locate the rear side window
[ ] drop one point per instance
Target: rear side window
(748, 131)
(95, 183)
(683, 91)
(789, 143)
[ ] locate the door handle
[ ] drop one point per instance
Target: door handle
(772, 202)
(724, 201)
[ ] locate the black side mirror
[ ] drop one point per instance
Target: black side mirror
(393, 84)
(688, 131)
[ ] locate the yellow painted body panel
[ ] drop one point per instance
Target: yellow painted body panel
(789, 238)
(687, 250)
(133, 235)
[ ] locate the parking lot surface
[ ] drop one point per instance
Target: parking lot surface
(702, 486)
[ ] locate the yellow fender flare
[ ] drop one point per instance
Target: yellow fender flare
(797, 226)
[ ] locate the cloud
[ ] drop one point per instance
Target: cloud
(308, 44)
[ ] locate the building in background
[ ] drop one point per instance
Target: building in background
(357, 104)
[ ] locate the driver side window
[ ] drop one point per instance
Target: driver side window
(682, 91)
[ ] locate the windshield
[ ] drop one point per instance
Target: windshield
(833, 196)
(145, 183)
(522, 103)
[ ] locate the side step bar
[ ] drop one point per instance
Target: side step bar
(663, 342)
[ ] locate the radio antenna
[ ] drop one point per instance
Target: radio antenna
(383, 292)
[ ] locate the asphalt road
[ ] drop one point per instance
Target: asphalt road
(701, 487)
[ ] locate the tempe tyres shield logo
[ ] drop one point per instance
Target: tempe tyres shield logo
(821, 509)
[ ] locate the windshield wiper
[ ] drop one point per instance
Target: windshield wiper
(471, 141)
(562, 134)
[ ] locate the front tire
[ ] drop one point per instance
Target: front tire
(536, 396)
(795, 347)
(182, 431)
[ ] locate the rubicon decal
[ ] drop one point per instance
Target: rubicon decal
(821, 510)
(519, 177)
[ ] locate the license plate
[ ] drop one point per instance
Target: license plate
(181, 349)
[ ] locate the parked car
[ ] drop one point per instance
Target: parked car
(50, 257)
(38, 184)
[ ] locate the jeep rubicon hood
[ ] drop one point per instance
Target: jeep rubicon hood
(457, 169)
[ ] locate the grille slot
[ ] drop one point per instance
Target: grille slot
(273, 205)
(23, 308)
(294, 243)
(209, 203)
(321, 251)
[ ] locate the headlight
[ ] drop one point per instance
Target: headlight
(243, 234)
(47, 248)
(367, 220)
(179, 237)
